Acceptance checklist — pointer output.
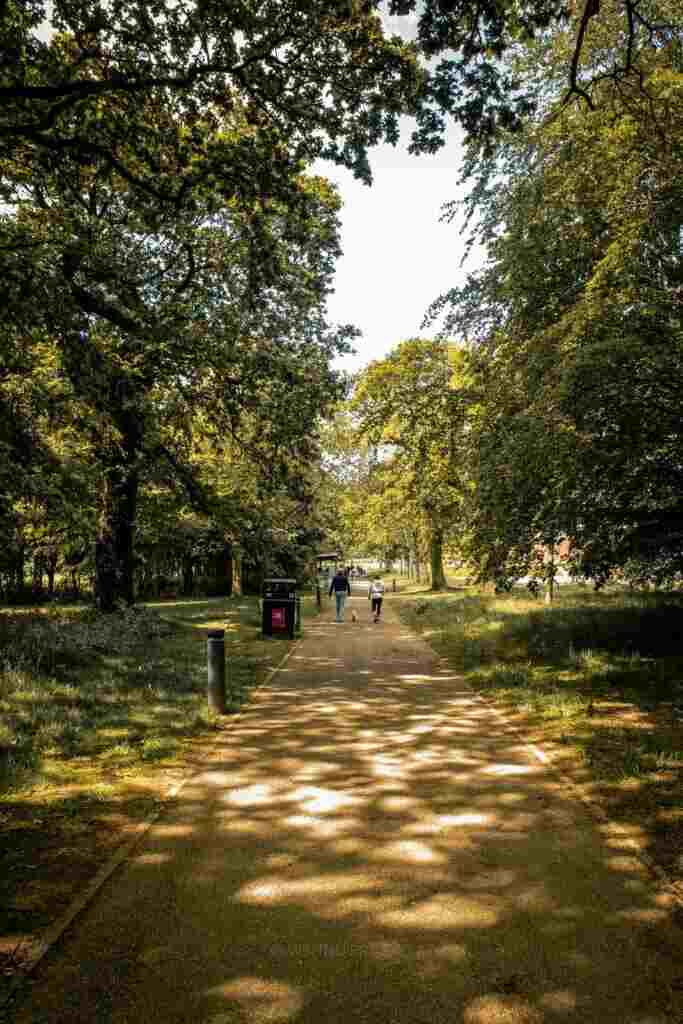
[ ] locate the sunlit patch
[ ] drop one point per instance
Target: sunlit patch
(416, 678)
(171, 831)
(642, 915)
(288, 765)
(560, 1001)
(397, 804)
(283, 889)
(408, 850)
(462, 820)
(502, 1009)
(453, 952)
(326, 828)
(306, 821)
(368, 903)
(263, 892)
(443, 912)
(250, 796)
(509, 769)
(422, 756)
(510, 798)
(214, 778)
(424, 727)
(316, 800)
(247, 827)
(385, 768)
(349, 847)
(280, 860)
(151, 858)
(259, 999)
(626, 864)
(534, 897)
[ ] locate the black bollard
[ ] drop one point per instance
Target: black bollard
(216, 670)
(318, 596)
(394, 586)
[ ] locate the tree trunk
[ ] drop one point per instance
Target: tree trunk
(51, 569)
(222, 571)
(550, 591)
(436, 559)
(18, 568)
(114, 577)
(416, 558)
(38, 569)
(188, 576)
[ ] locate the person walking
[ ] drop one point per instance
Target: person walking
(340, 587)
(376, 594)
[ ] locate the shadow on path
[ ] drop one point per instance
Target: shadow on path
(371, 844)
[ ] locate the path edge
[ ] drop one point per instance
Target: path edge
(53, 933)
(592, 807)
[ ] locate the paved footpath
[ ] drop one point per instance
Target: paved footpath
(372, 844)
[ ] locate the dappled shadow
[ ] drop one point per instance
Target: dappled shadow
(372, 843)
(88, 708)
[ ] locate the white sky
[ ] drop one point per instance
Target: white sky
(397, 255)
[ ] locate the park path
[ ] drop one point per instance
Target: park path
(372, 843)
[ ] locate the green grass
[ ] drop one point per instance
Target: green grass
(566, 662)
(116, 691)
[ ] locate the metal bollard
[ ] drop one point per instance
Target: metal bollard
(297, 621)
(318, 596)
(394, 587)
(215, 660)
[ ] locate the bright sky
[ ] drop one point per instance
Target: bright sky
(397, 255)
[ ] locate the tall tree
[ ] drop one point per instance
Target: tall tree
(413, 402)
(151, 315)
(576, 319)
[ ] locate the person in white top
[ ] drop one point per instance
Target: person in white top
(376, 593)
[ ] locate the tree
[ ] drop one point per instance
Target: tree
(576, 324)
(316, 79)
(413, 402)
(151, 314)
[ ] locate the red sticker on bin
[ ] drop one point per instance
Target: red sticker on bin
(278, 618)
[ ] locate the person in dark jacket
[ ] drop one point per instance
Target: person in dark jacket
(340, 587)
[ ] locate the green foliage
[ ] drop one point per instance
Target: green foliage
(412, 406)
(114, 689)
(314, 79)
(575, 333)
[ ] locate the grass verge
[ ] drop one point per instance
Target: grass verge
(597, 678)
(99, 717)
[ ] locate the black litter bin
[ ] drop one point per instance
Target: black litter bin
(279, 607)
